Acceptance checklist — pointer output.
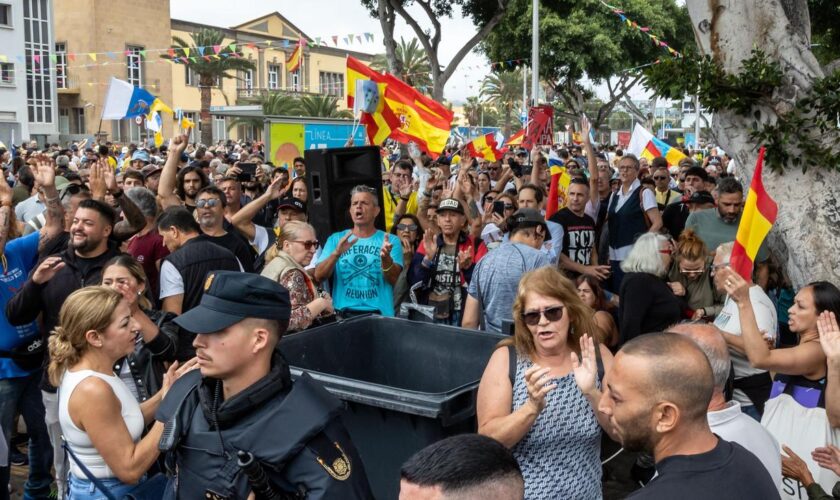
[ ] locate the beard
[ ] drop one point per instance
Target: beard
(636, 434)
(84, 246)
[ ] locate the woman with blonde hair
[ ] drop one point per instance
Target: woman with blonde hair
(286, 262)
(100, 419)
(540, 391)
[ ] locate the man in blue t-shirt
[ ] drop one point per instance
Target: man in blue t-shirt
(363, 262)
(22, 347)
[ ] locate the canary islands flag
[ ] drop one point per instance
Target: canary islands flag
(124, 100)
(760, 211)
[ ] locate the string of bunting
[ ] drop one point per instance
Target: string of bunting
(646, 30)
(208, 51)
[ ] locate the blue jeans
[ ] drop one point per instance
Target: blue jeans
(84, 489)
(21, 394)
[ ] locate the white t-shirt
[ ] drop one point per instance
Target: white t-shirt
(729, 321)
(648, 203)
(260, 241)
(171, 282)
(731, 424)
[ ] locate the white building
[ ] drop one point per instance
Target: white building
(28, 98)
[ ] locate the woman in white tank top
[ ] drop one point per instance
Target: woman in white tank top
(100, 419)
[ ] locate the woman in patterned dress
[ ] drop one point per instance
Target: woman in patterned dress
(542, 403)
(293, 251)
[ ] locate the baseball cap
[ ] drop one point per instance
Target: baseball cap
(140, 155)
(450, 204)
(527, 217)
(231, 296)
(701, 197)
(150, 170)
(292, 203)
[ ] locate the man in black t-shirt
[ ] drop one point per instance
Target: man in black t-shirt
(656, 395)
(210, 205)
(579, 254)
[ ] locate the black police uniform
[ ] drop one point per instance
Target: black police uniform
(292, 429)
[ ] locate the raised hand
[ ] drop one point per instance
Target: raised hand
(465, 259)
(598, 272)
(47, 269)
(829, 334)
(585, 367)
(537, 383)
(44, 171)
(277, 189)
(98, 188)
(109, 176)
(407, 246)
(736, 286)
(827, 457)
(405, 189)
(345, 243)
(585, 127)
(385, 252)
(430, 244)
(178, 144)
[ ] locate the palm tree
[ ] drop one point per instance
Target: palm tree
(209, 65)
(414, 62)
(473, 109)
(273, 104)
(504, 91)
(322, 106)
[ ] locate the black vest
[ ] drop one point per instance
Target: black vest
(193, 261)
(628, 223)
(578, 235)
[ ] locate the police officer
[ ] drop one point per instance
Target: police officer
(242, 403)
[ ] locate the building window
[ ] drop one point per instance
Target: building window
(7, 74)
(39, 91)
(193, 117)
(247, 82)
(5, 14)
(61, 65)
(219, 128)
(63, 121)
(273, 77)
(332, 83)
(134, 65)
(296, 81)
(78, 120)
(190, 78)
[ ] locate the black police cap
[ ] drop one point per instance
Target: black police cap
(231, 296)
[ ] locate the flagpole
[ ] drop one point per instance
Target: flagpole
(535, 52)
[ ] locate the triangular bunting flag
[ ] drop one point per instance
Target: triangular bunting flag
(335, 40)
(232, 47)
(217, 48)
(72, 57)
(143, 53)
(92, 55)
(111, 56)
(37, 59)
(187, 51)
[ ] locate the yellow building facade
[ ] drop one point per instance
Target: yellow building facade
(132, 51)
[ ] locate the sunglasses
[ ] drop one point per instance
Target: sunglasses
(307, 244)
(406, 227)
(551, 314)
(509, 206)
(659, 177)
(212, 202)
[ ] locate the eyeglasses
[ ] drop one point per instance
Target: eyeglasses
(691, 272)
(508, 206)
(406, 227)
(212, 202)
(551, 314)
(307, 244)
(659, 177)
(717, 267)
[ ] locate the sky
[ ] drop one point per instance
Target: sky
(344, 17)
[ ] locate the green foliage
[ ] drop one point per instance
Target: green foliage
(413, 61)
(322, 106)
(825, 30)
(582, 38)
(206, 38)
(504, 92)
(797, 137)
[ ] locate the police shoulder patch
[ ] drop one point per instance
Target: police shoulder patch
(339, 467)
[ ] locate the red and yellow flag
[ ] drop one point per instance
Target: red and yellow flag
(423, 120)
(294, 60)
(760, 211)
(485, 147)
(357, 70)
(516, 139)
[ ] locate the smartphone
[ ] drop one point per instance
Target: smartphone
(499, 207)
(249, 170)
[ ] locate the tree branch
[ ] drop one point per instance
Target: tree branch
(472, 42)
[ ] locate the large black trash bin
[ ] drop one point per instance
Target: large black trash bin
(406, 384)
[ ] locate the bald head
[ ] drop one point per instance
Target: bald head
(711, 342)
(674, 370)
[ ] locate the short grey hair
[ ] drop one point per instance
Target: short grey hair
(361, 188)
(145, 201)
(711, 342)
(214, 164)
(644, 257)
(724, 250)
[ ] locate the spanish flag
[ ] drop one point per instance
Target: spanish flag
(423, 120)
(516, 139)
(294, 60)
(760, 211)
(485, 147)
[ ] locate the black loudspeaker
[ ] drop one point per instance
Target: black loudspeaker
(330, 176)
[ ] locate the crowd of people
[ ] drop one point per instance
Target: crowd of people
(146, 291)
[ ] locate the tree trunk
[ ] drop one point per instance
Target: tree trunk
(204, 117)
(506, 127)
(805, 236)
(387, 19)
